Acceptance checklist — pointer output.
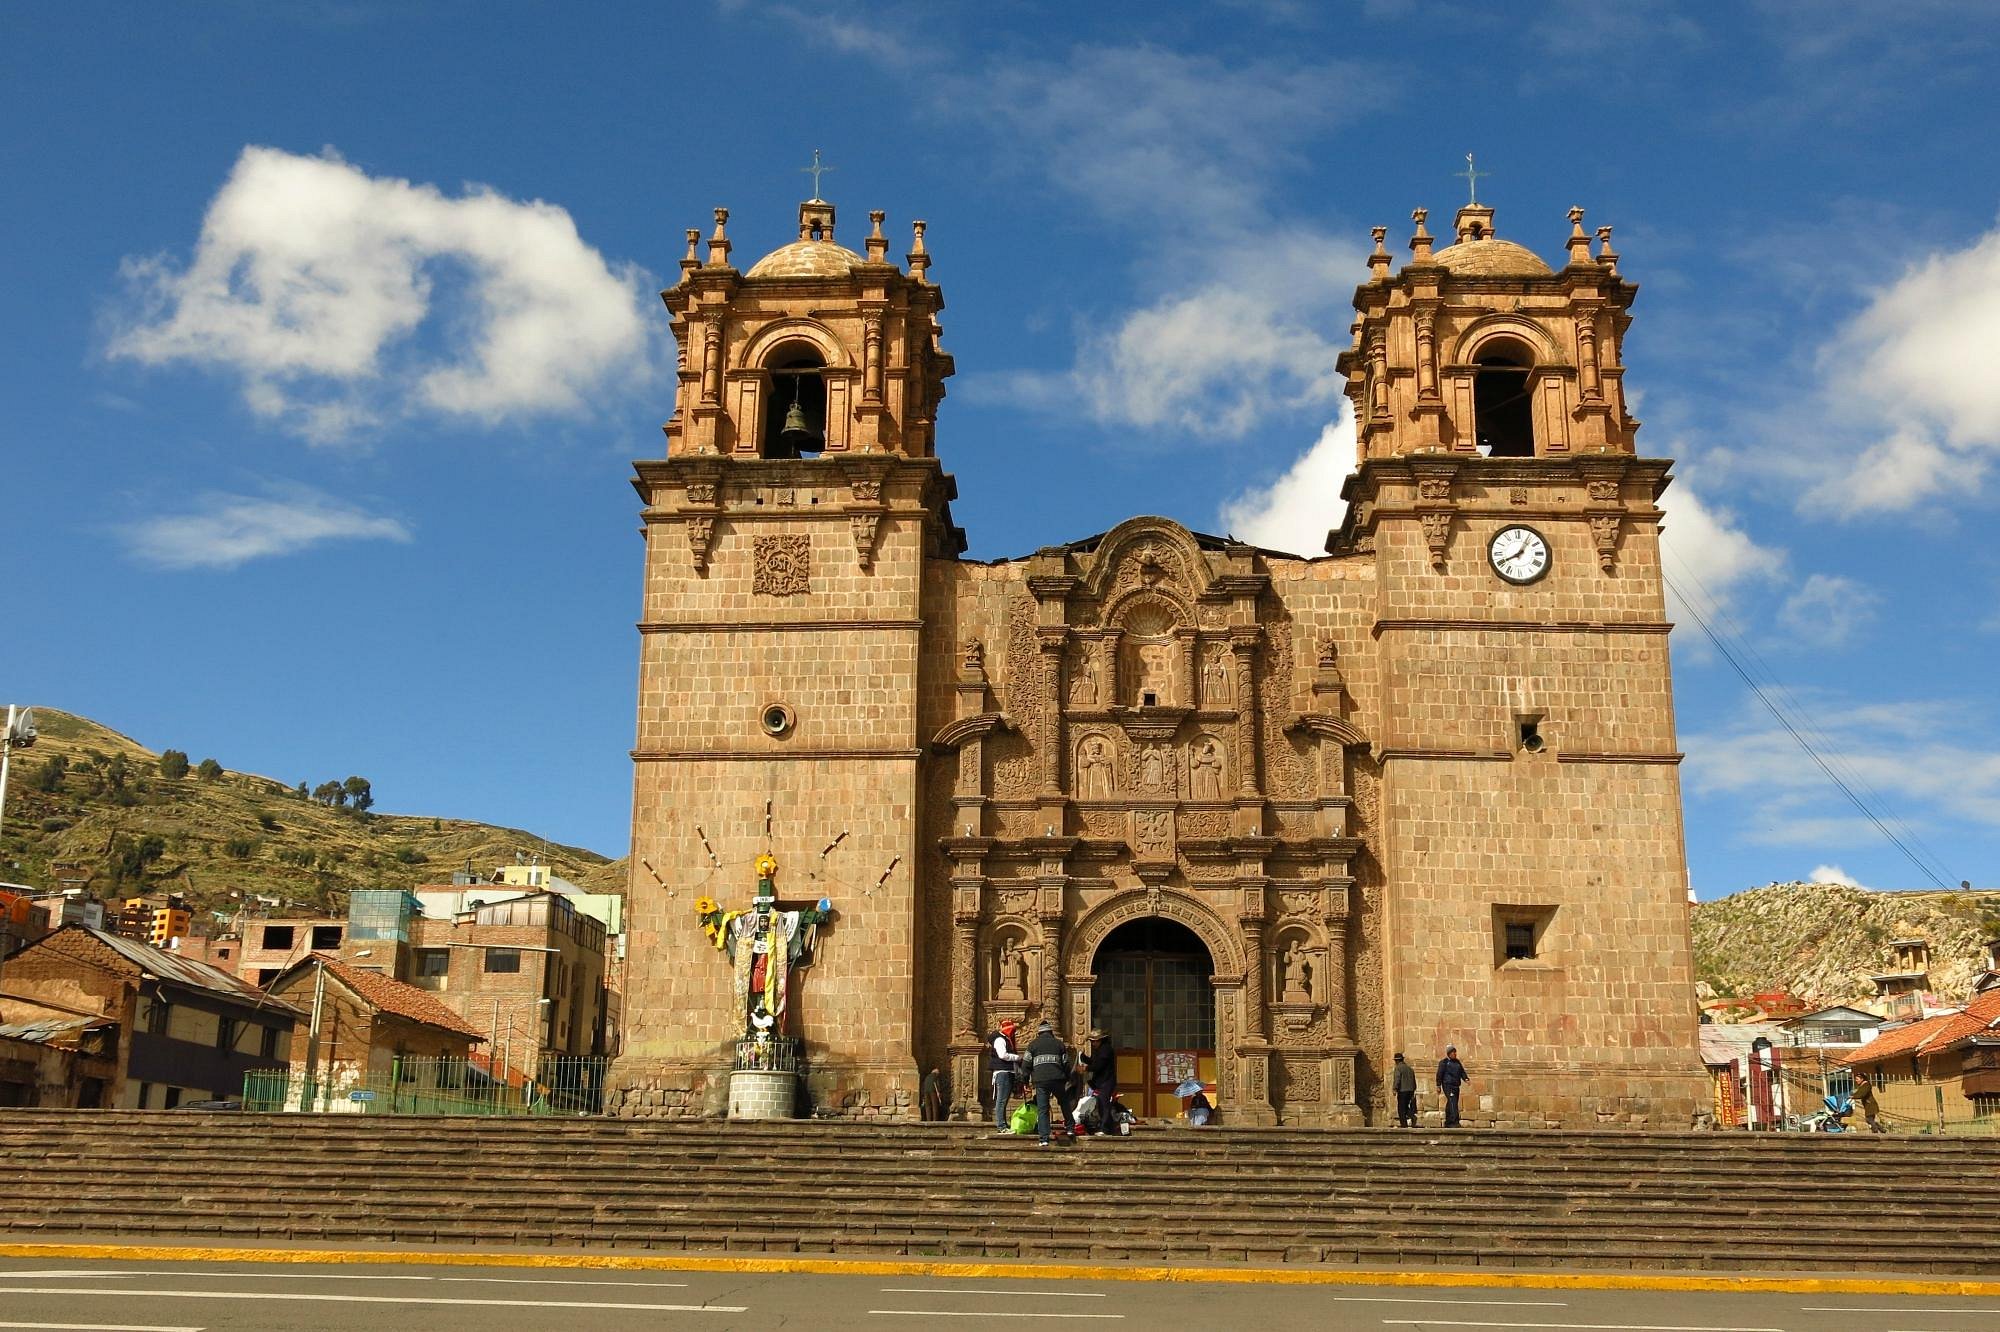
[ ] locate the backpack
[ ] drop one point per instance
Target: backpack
(1025, 1120)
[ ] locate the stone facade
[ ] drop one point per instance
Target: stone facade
(1397, 798)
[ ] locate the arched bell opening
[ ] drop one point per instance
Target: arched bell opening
(1155, 998)
(1502, 401)
(795, 410)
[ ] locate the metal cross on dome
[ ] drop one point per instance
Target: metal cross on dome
(1471, 179)
(814, 171)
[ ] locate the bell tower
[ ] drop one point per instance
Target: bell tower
(1530, 832)
(786, 532)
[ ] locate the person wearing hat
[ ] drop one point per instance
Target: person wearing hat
(1100, 1074)
(1006, 1062)
(1403, 1081)
(1049, 1062)
(1451, 1076)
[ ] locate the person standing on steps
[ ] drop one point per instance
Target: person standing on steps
(1006, 1063)
(1049, 1062)
(1451, 1076)
(1403, 1082)
(1101, 1073)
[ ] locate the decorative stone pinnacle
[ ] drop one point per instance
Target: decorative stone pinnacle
(877, 244)
(1420, 244)
(718, 244)
(693, 239)
(919, 258)
(1605, 254)
(1579, 243)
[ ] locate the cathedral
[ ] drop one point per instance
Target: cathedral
(1264, 820)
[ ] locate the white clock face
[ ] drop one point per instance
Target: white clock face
(1519, 554)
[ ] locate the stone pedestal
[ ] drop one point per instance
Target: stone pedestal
(761, 1093)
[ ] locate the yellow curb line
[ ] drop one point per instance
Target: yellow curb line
(1017, 1270)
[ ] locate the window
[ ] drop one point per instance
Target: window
(326, 936)
(1503, 412)
(225, 1034)
(433, 963)
(1521, 934)
(269, 1048)
(265, 975)
(279, 937)
(154, 1015)
(795, 413)
(503, 961)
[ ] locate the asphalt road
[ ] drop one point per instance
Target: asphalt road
(211, 1297)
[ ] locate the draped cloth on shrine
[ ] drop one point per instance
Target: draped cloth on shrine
(764, 948)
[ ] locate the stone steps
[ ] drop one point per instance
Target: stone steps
(1524, 1198)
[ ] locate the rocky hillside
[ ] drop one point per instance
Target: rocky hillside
(89, 798)
(1822, 941)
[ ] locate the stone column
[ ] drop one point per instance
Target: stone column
(711, 362)
(1053, 640)
(1336, 982)
(871, 360)
(1243, 642)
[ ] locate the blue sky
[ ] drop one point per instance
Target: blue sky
(331, 332)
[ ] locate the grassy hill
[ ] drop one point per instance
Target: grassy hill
(1822, 941)
(89, 797)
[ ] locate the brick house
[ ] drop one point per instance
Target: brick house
(526, 971)
(58, 1062)
(371, 1027)
(1958, 1051)
(187, 1031)
(269, 947)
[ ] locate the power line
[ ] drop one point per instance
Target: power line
(1770, 679)
(1812, 753)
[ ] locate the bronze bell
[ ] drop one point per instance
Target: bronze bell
(798, 432)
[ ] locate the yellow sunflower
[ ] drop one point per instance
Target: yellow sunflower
(705, 906)
(767, 865)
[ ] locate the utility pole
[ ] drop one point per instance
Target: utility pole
(308, 1091)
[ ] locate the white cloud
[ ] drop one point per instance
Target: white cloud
(224, 531)
(1708, 556)
(1827, 608)
(1917, 364)
(343, 300)
(1296, 511)
(1237, 308)
(1922, 766)
(1213, 359)
(1835, 874)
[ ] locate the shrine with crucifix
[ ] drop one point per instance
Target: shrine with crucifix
(1265, 818)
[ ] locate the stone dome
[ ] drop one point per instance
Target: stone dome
(809, 259)
(1491, 257)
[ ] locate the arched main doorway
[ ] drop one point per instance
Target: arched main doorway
(1153, 998)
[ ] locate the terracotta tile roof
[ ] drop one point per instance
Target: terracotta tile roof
(387, 995)
(1934, 1033)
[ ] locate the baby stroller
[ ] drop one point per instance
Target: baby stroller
(1831, 1118)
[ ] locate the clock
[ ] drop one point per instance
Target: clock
(1519, 554)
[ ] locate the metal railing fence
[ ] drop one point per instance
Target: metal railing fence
(560, 1085)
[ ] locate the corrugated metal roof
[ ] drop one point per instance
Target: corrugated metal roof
(1724, 1041)
(185, 970)
(49, 1029)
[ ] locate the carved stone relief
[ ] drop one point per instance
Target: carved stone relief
(1096, 768)
(1216, 691)
(782, 565)
(1302, 1080)
(1153, 769)
(1205, 776)
(1153, 833)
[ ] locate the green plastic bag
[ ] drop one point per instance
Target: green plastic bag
(1025, 1119)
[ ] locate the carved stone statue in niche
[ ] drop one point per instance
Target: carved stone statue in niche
(1083, 684)
(1205, 769)
(1296, 975)
(1095, 779)
(1153, 768)
(1215, 690)
(1013, 978)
